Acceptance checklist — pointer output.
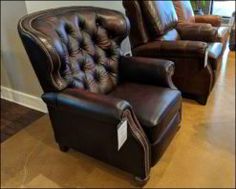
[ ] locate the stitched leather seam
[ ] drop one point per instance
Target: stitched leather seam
(38, 42)
(141, 132)
(140, 137)
(59, 61)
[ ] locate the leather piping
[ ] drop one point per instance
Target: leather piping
(62, 84)
(136, 132)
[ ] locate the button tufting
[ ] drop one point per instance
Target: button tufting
(85, 85)
(97, 22)
(99, 64)
(108, 53)
(96, 76)
(108, 68)
(94, 38)
(95, 58)
(82, 24)
(82, 66)
(85, 47)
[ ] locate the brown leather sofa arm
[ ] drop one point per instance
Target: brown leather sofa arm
(195, 32)
(210, 19)
(165, 49)
(97, 106)
(148, 70)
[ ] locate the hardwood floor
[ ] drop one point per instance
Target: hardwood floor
(15, 117)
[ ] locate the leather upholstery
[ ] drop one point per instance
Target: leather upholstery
(169, 49)
(98, 106)
(138, 27)
(160, 20)
(194, 32)
(155, 71)
(185, 15)
(143, 99)
(80, 42)
(206, 21)
(214, 20)
(154, 119)
(184, 11)
(167, 39)
(75, 52)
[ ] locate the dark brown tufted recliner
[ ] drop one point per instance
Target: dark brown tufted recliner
(90, 89)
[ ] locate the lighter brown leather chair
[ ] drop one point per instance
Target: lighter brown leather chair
(155, 32)
(186, 15)
(90, 89)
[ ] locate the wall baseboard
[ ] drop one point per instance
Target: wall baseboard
(23, 99)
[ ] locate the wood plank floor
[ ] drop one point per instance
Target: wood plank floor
(15, 117)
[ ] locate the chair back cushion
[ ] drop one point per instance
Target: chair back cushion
(160, 16)
(184, 11)
(139, 31)
(76, 47)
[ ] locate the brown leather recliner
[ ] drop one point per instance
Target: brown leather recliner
(90, 89)
(155, 33)
(185, 14)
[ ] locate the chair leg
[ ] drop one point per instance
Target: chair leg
(63, 148)
(141, 181)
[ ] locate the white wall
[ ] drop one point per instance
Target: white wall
(16, 70)
(33, 6)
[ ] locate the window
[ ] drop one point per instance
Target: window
(223, 8)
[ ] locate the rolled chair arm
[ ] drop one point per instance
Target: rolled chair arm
(95, 118)
(148, 70)
(210, 19)
(95, 105)
(196, 32)
(174, 50)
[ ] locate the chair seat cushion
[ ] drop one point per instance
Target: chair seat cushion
(154, 106)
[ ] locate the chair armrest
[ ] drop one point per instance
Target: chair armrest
(165, 49)
(210, 19)
(97, 106)
(175, 50)
(147, 70)
(196, 32)
(88, 122)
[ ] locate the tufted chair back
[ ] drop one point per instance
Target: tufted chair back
(75, 47)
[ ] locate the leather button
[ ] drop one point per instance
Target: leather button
(95, 57)
(96, 76)
(82, 66)
(108, 68)
(85, 85)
